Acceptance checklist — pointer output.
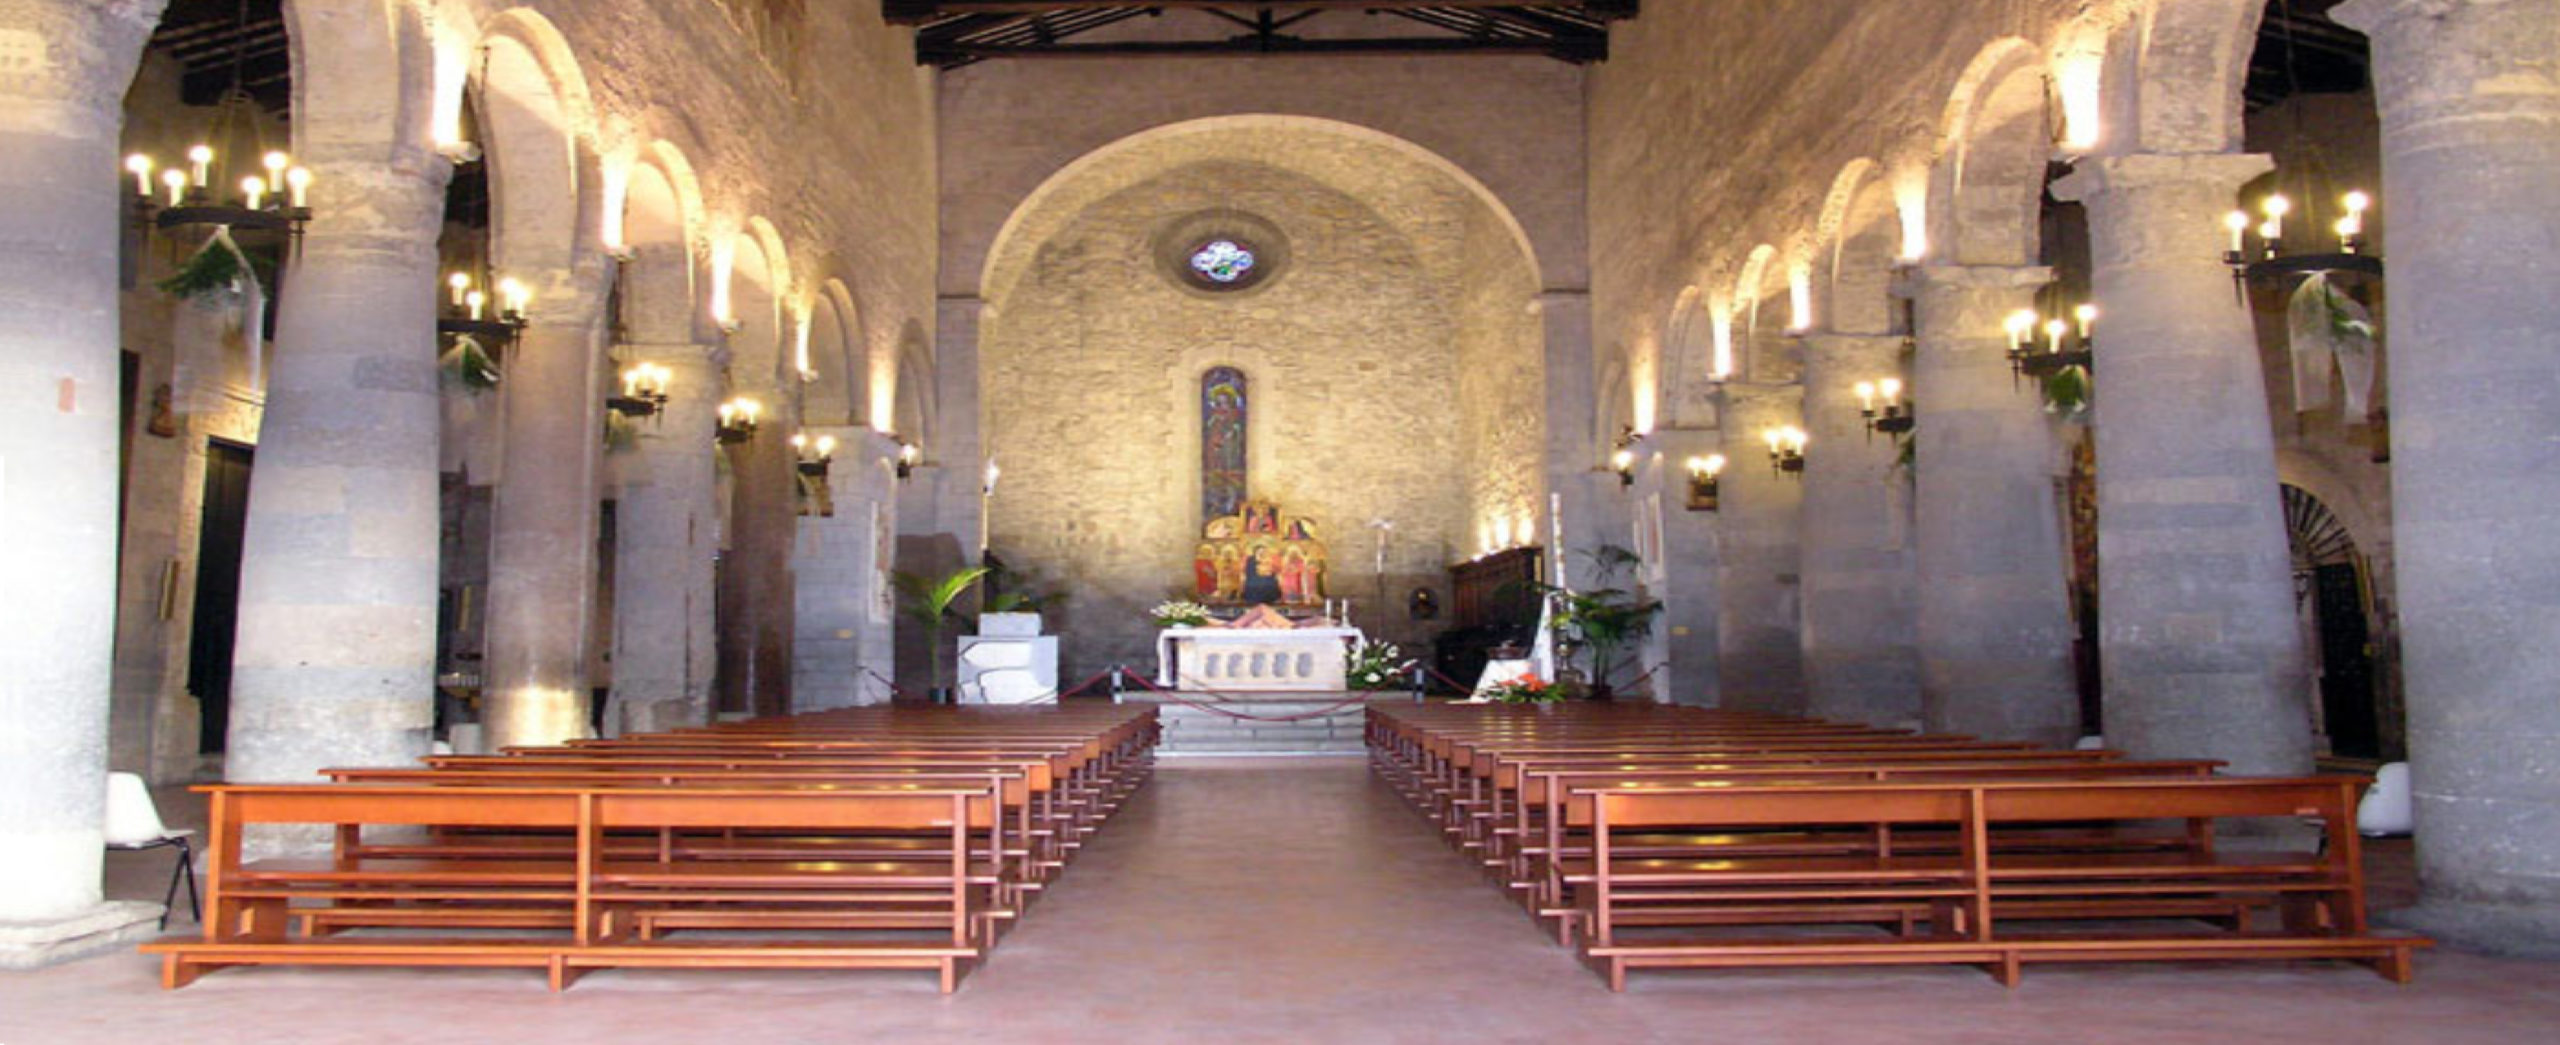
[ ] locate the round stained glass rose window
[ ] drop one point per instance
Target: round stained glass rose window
(1222, 262)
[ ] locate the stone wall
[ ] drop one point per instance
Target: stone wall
(1091, 384)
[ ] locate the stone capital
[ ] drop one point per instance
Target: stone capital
(65, 65)
(1925, 279)
(2219, 173)
(2377, 16)
(1828, 349)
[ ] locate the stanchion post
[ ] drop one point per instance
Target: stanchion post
(1115, 684)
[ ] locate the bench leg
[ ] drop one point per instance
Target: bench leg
(176, 972)
(563, 974)
(2007, 970)
(2397, 966)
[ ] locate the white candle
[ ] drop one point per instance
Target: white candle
(1892, 391)
(479, 303)
(2053, 329)
(176, 180)
(2276, 208)
(2238, 223)
(1866, 396)
(299, 180)
(2022, 325)
(461, 285)
(630, 383)
(826, 446)
(253, 190)
(201, 157)
(140, 165)
(2087, 315)
(275, 163)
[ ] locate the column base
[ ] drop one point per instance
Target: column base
(113, 924)
(2504, 930)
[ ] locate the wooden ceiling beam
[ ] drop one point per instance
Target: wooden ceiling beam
(917, 12)
(1572, 49)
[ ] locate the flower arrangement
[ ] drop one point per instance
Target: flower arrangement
(1180, 613)
(1374, 665)
(1527, 689)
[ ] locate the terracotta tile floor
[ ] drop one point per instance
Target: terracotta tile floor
(1360, 928)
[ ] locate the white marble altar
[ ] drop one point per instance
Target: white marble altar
(1259, 660)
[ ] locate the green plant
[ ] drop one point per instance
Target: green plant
(219, 267)
(1606, 619)
(930, 600)
(2066, 392)
(1374, 664)
(1016, 591)
(469, 366)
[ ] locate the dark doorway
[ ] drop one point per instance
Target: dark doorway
(217, 608)
(2346, 663)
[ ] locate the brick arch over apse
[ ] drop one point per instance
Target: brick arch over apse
(1397, 366)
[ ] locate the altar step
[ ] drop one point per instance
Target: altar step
(1331, 729)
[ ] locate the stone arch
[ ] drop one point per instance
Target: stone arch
(537, 122)
(1822, 248)
(1757, 321)
(658, 282)
(1616, 409)
(1989, 185)
(755, 307)
(913, 417)
(1258, 137)
(1863, 255)
(352, 64)
(1687, 352)
(833, 335)
(2187, 69)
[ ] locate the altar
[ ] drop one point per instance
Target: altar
(1254, 660)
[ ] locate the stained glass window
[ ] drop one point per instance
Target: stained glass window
(1222, 450)
(1222, 261)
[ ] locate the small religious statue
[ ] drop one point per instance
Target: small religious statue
(1259, 557)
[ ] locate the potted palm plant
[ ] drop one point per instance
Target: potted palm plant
(931, 601)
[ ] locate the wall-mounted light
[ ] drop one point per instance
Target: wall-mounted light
(2063, 344)
(738, 420)
(909, 456)
(472, 311)
(1880, 404)
(814, 455)
(1622, 460)
(644, 390)
(1704, 475)
(1786, 449)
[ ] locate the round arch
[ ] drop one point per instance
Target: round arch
(658, 281)
(755, 306)
(1266, 138)
(2186, 74)
(1859, 297)
(833, 334)
(343, 89)
(538, 120)
(1987, 190)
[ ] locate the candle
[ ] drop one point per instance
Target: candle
(800, 443)
(478, 301)
(728, 414)
(140, 165)
(2053, 329)
(1892, 390)
(1777, 440)
(513, 297)
(1866, 397)
(176, 180)
(748, 409)
(826, 446)
(253, 189)
(299, 180)
(2238, 222)
(275, 163)
(2276, 207)
(2022, 325)
(461, 285)
(631, 383)
(2087, 315)
(201, 157)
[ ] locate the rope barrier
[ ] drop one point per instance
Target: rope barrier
(894, 691)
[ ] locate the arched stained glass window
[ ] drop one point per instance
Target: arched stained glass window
(1222, 450)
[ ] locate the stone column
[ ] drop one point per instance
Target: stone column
(755, 574)
(666, 542)
(1762, 656)
(1594, 514)
(2201, 649)
(542, 557)
(1687, 628)
(1861, 659)
(842, 646)
(60, 94)
(2471, 165)
(1995, 619)
(335, 662)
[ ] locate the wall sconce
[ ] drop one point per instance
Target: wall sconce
(815, 455)
(738, 420)
(1622, 460)
(1704, 473)
(644, 391)
(909, 456)
(1880, 403)
(1786, 449)
(2066, 344)
(467, 311)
